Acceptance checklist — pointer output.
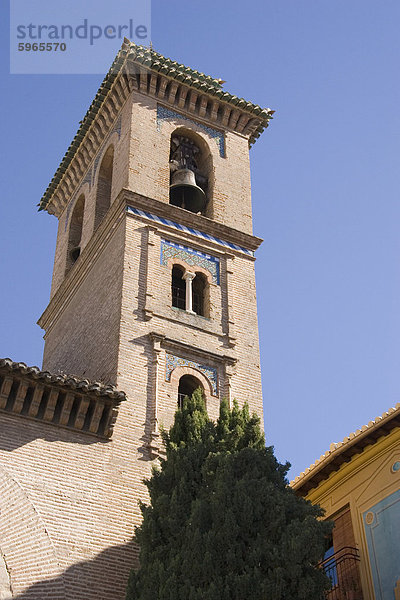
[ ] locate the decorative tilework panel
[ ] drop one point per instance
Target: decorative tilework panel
(165, 114)
(196, 232)
(177, 361)
(191, 257)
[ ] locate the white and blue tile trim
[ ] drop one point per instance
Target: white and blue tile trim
(190, 256)
(173, 361)
(165, 114)
(196, 232)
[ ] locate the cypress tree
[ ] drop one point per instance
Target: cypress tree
(222, 523)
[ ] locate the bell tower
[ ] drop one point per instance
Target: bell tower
(153, 292)
(153, 282)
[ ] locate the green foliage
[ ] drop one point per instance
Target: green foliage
(223, 523)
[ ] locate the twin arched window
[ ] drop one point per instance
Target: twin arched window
(189, 291)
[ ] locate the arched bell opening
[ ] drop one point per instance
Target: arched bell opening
(178, 287)
(187, 385)
(75, 233)
(104, 184)
(190, 167)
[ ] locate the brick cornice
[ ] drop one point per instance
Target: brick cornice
(117, 213)
(194, 221)
(58, 399)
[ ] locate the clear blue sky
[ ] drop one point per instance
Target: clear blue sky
(325, 179)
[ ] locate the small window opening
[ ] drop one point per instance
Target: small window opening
(198, 293)
(178, 288)
(187, 385)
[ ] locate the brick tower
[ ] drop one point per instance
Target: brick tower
(153, 294)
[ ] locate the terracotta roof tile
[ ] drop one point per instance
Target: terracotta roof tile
(68, 381)
(339, 452)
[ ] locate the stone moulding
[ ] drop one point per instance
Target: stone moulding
(60, 400)
(194, 225)
(191, 230)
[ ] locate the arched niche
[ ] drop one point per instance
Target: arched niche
(75, 233)
(104, 186)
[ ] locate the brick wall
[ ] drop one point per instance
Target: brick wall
(68, 504)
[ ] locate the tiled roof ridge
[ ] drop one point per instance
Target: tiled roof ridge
(336, 448)
(165, 66)
(157, 62)
(71, 381)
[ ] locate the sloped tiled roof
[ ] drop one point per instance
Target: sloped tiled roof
(68, 381)
(157, 62)
(342, 452)
(165, 66)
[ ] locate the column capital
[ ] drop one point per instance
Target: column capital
(188, 275)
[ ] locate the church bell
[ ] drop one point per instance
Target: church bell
(185, 193)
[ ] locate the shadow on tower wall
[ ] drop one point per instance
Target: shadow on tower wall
(103, 578)
(17, 431)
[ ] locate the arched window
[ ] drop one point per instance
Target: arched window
(178, 288)
(190, 166)
(75, 232)
(199, 286)
(103, 195)
(187, 385)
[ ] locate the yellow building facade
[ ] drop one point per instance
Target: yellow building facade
(357, 483)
